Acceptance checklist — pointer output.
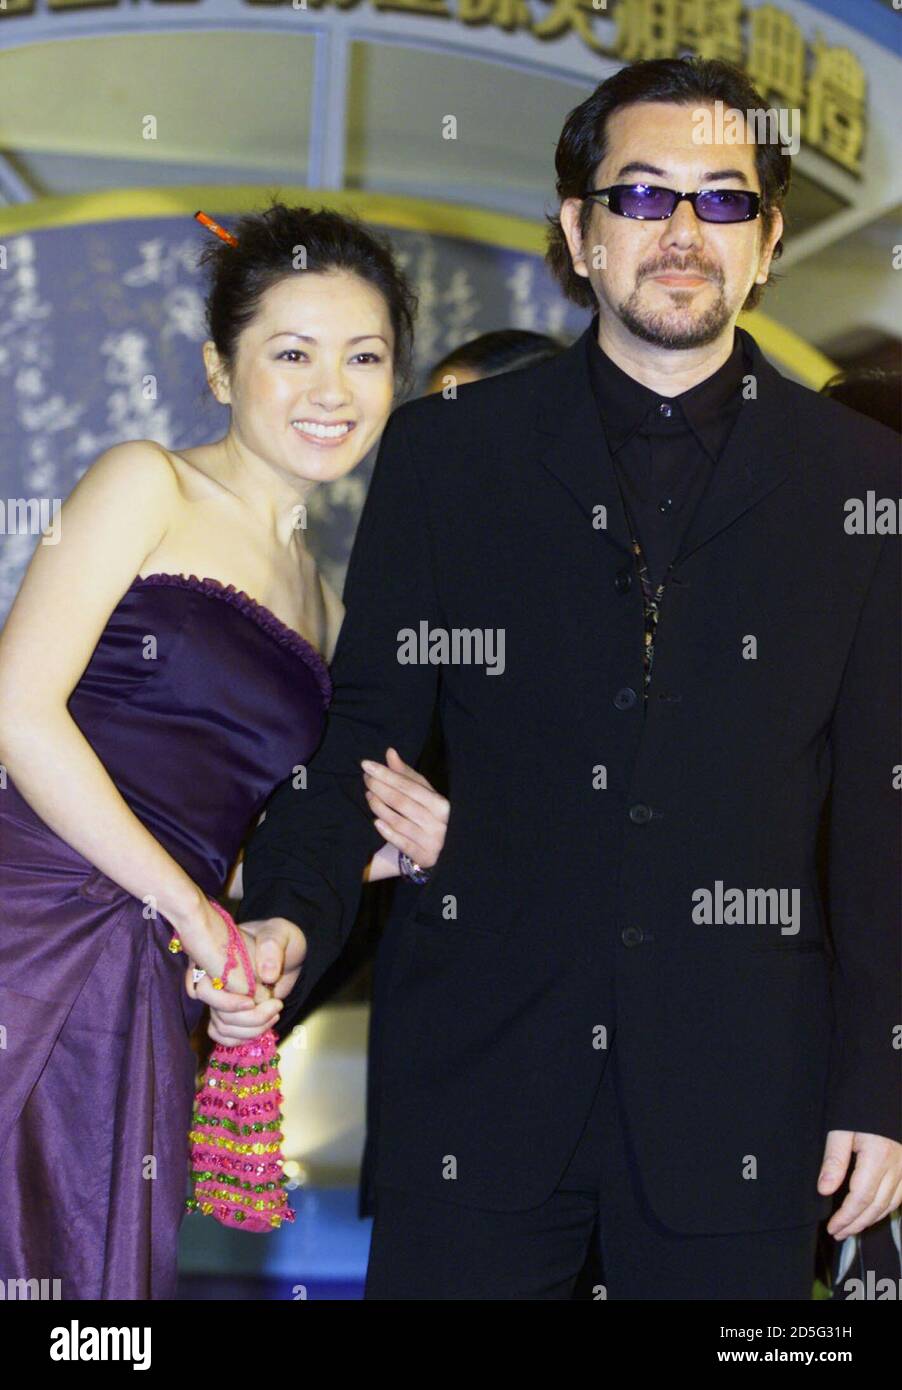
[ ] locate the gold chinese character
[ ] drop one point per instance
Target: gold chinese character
(503, 14)
(713, 28)
(835, 119)
(647, 29)
(571, 14)
(776, 62)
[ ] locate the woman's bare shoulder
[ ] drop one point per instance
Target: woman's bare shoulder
(194, 470)
(135, 478)
(115, 516)
(135, 453)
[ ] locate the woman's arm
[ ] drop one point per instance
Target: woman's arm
(114, 518)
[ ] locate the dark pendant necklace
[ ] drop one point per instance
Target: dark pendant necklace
(651, 601)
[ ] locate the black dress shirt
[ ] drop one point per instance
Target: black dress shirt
(664, 448)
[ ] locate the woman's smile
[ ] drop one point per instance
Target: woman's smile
(323, 435)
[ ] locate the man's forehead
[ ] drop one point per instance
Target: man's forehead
(669, 133)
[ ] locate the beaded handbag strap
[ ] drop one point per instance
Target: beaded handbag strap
(236, 942)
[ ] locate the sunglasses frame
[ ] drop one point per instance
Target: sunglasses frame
(603, 196)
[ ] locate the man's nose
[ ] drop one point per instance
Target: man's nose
(683, 227)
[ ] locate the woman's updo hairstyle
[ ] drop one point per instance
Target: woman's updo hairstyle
(269, 249)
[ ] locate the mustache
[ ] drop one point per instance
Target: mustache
(665, 267)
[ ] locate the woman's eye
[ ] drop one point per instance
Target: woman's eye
(295, 354)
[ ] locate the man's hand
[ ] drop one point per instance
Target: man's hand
(277, 950)
(875, 1187)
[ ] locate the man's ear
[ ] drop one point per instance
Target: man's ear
(776, 232)
(569, 218)
(217, 375)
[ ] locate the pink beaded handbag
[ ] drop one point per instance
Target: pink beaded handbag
(235, 1138)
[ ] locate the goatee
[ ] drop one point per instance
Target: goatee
(670, 329)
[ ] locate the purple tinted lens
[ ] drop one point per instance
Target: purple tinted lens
(723, 205)
(646, 202)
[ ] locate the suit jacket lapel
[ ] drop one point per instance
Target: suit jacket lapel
(572, 443)
(755, 460)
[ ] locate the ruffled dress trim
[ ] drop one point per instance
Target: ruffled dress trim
(257, 612)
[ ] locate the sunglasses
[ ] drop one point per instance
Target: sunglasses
(649, 203)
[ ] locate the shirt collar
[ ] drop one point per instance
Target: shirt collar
(625, 405)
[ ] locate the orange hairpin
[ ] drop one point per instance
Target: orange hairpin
(215, 227)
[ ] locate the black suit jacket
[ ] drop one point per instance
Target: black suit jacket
(582, 823)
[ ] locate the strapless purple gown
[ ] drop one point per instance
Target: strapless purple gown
(96, 1070)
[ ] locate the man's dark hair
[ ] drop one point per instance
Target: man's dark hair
(504, 350)
(583, 145)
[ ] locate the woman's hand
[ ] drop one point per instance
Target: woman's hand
(205, 939)
(277, 949)
(408, 812)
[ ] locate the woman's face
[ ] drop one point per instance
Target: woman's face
(313, 380)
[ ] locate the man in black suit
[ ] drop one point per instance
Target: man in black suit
(654, 588)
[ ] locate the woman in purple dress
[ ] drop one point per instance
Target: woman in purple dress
(146, 714)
